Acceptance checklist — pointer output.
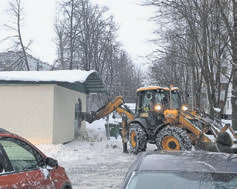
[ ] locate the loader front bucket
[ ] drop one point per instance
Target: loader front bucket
(223, 143)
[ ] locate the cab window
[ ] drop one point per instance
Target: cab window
(147, 101)
(21, 155)
(176, 102)
(161, 97)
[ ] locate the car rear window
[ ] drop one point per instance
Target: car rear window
(184, 180)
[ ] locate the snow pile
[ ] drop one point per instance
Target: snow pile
(217, 109)
(96, 131)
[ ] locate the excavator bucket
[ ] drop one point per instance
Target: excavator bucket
(208, 134)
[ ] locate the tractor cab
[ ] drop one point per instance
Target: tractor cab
(157, 99)
(158, 104)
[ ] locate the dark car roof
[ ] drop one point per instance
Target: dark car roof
(186, 161)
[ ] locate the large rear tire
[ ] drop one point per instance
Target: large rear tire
(137, 139)
(173, 138)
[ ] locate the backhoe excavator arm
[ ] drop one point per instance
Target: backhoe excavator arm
(114, 105)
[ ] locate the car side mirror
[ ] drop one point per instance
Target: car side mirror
(51, 162)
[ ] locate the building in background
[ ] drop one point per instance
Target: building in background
(43, 106)
(225, 90)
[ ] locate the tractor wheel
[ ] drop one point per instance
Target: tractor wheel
(173, 138)
(137, 139)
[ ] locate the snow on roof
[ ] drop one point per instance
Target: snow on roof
(155, 88)
(70, 76)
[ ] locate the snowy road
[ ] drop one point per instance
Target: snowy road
(99, 176)
(93, 164)
(103, 166)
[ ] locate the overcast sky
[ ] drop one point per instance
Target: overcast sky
(38, 25)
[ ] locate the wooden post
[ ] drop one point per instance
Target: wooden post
(124, 133)
(107, 129)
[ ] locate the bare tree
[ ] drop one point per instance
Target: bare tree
(200, 45)
(86, 39)
(16, 12)
(71, 26)
(231, 25)
(61, 42)
(234, 49)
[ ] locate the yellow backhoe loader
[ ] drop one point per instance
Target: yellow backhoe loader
(161, 119)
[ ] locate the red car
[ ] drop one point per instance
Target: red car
(22, 165)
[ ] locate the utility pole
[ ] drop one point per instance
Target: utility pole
(234, 50)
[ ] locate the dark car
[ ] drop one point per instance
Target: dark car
(182, 170)
(22, 165)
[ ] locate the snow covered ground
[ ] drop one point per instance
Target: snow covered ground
(95, 163)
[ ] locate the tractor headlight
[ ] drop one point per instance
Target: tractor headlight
(184, 108)
(158, 107)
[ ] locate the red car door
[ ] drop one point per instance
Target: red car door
(22, 167)
(28, 179)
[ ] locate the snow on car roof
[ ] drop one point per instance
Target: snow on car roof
(70, 76)
(200, 161)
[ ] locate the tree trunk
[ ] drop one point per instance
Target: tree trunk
(19, 34)
(71, 36)
(234, 49)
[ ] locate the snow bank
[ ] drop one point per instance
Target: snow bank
(96, 131)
